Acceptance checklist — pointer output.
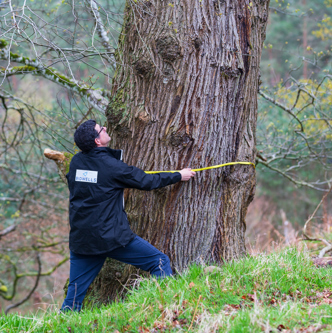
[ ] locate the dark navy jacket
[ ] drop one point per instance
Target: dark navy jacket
(98, 222)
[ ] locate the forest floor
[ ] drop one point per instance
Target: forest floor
(282, 291)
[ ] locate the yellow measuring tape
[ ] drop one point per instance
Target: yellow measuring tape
(207, 168)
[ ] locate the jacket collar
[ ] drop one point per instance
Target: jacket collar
(116, 153)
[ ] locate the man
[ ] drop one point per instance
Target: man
(98, 223)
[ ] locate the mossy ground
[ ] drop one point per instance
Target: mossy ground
(281, 291)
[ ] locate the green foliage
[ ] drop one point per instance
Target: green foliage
(3, 43)
(267, 292)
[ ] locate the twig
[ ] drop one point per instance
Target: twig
(199, 298)
(7, 231)
(285, 108)
(81, 121)
(314, 213)
(328, 246)
(296, 182)
(325, 250)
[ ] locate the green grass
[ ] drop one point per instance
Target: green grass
(281, 291)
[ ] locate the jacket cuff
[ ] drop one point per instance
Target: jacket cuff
(177, 177)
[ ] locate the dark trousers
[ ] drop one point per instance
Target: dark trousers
(84, 268)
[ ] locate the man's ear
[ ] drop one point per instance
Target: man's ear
(97, 141)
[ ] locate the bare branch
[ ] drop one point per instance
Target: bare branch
(17, 172)
(328, 246)
(62, 161)
(288, 110)
(84, 117)
(314, 213)
(15, 305)
(7, 231)
(99, 26)
(325, 250)
(47, 273)
(296, 182)
(93, 96)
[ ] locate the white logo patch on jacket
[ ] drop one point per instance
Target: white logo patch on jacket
(86, 176)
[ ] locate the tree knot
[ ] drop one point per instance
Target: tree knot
(168, 48)
(231, 72)
(143, 67)
(197, 43)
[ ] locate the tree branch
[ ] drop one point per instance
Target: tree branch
(93, 96)
(47, 273)
(296, 182)
(328, 246)
(29, 174)
(288, 110)
(62, 161)
(313, 214)
(31, 291)
(7, 231)
(19, 276)
(99, 26)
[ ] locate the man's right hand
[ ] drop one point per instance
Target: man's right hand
(186, 174)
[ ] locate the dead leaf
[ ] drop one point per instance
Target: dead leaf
(183, 321)
(184, 303)
(312, 329)
(158, 324)
(281, 327)
(126, 328)
(327, 301)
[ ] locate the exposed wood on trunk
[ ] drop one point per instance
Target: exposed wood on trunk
(62, 161)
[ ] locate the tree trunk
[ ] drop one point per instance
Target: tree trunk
(185, 95)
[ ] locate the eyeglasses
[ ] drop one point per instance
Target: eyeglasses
(102, 129)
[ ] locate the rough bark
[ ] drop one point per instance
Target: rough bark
(185, 95)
